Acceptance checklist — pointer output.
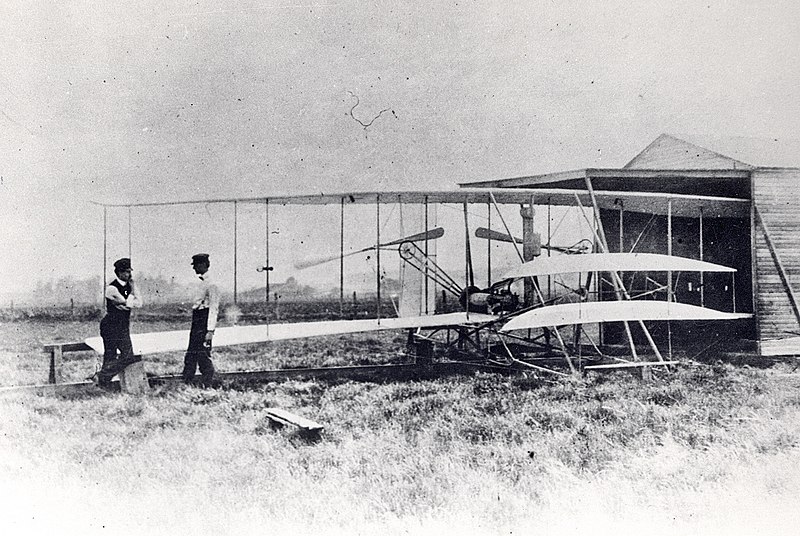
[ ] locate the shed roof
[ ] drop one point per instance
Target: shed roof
(667, 165)
(669, 152)
(731, 183)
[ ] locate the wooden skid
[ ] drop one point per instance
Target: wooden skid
(71, 388)
(637, 364)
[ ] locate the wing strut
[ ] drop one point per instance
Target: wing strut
(618, 285)
(470, 273)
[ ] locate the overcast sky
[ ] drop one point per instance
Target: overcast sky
(157, 100)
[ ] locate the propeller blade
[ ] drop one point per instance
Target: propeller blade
(308, 263)
(432, 234)
(489, 234)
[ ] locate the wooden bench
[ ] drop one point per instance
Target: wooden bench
(56, 351)
(280, 417)
(132, 380)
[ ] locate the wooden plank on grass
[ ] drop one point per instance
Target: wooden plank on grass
(281, 416)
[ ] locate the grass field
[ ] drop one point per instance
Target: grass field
(709, 449)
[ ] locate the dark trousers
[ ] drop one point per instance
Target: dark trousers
(198, 353)
(116, 338)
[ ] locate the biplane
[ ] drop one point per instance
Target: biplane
(512, 321)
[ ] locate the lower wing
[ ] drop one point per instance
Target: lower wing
(170, 341)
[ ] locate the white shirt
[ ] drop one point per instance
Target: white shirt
(207, 297)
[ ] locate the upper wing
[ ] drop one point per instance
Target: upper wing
(169, 341)
(647, 202)
(614, 311)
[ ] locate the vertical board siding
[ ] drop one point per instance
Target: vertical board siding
(775, 194)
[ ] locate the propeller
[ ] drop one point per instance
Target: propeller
(432, 234)
(490, 234)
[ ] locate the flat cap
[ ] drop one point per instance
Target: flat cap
(122, 264)
(200, 257)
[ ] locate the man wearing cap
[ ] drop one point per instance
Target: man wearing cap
(121, 297)
(204, 320)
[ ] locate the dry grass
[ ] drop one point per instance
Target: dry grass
(706, 450)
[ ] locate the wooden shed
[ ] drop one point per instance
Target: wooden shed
(761, 239)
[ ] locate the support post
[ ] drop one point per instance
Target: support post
(549, 250)
(266, 253)
(427, 259)
(378, 251)
(527, 214)
(669, 248)
(702, 274)
(669, 274)
(235, 247)
(467, 265)
(105, 250)
(130, 232)
(489, 246)
(341, 259)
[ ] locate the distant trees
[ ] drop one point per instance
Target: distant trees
(66, 290)
(290, 290)
(158, 289)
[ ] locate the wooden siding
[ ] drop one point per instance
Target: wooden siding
(667, 152)
(775, 194)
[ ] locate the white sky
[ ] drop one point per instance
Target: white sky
(156, 100)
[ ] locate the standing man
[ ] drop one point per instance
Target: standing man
(204, 320)
(121, 297)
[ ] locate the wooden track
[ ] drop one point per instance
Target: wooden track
(360, 372)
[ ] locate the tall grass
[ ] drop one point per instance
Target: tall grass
(709, 449)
